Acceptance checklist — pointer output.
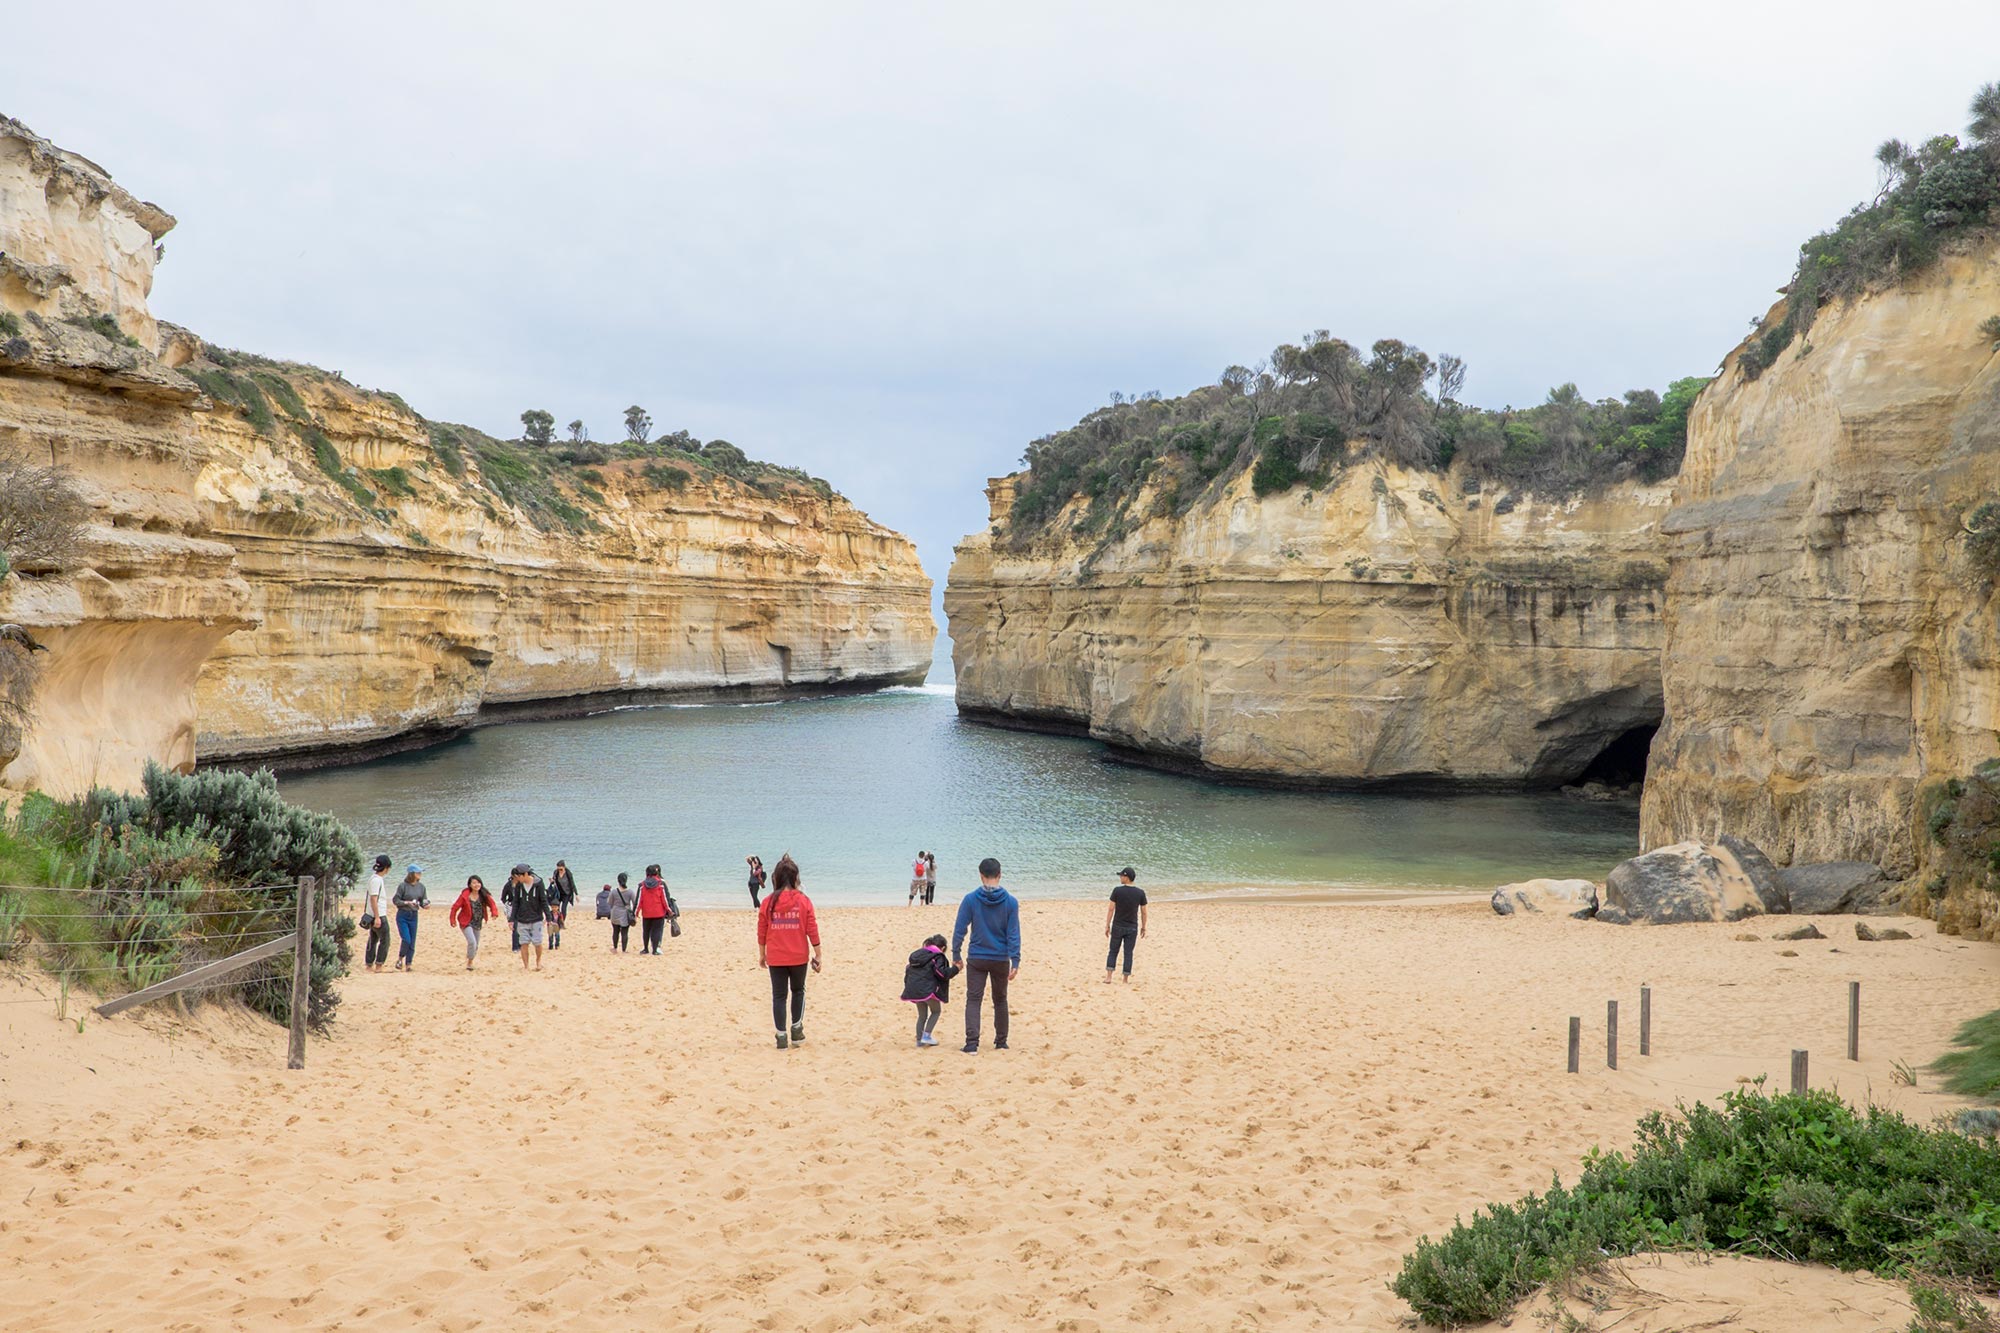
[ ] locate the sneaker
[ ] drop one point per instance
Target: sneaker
(927, 1040)
(999, 1045)
(781, 1041)
(798, 1034)
(972, 1048)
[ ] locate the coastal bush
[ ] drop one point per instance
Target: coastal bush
(444, 443)
(393, 481)
(1982, 540)
(665, 477)
(1931, 196)
(238, 391)
(1973, 1068)
(1962, 816)
(1802, 1176)
(193, 868)
(10, 324)
(1989, 329)
(1312, 407)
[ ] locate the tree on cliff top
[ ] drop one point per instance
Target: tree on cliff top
(638, 425)
(579, 434)
(537, 427)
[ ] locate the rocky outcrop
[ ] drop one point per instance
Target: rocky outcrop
(1830, 651)
(1691, 881)
(1397, 626)
(1570, 897)
(303, 566)
(1828, 887)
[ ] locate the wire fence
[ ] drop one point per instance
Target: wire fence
(71, 888)
(203, 988)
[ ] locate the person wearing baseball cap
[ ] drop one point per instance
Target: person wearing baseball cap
(1124, 921)
(375, 918)
(411, 897)
(527, 900)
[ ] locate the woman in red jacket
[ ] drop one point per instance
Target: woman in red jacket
(470, 912)
(654, 909)
(785, 927)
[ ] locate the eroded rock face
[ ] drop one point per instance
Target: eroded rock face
(1390, 628)
(244, 592)
(1827, 887)
(1829, 651)
(1690, 881)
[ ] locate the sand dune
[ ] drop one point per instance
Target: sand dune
(1249, 1136)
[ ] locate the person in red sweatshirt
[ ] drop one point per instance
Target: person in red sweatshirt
(785, 927)
(655, 906)
(475, 906)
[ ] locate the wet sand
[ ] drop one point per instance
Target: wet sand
(1250, 1135)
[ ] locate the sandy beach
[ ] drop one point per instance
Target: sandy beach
(1250, 1135)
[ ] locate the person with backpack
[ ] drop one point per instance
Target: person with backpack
(375, 918)
(411, 897)
(474, 906)
(786, 927)
(562, 897)
(927, 985)
(917, 880)
(621, 905)
(655, 907)
(527, 899)
(993, 918)
(756, 880)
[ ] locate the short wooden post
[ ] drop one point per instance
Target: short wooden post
(301, 974)
(1799, 1080)
(1611, 1033)
(1645, 1020)
(1854, 1020)
(1575, 1044)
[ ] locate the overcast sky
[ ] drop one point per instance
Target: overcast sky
(892, 243)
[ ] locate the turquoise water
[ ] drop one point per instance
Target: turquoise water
(854, 786)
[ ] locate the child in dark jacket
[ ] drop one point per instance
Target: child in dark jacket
(927, 985)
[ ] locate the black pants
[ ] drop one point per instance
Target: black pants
(621, 938)
(978, 972)
(930, 891)
(1122, 937)
(376, 951)
(927, 1017)
(787, 979)
(650, 930)
(754, 901)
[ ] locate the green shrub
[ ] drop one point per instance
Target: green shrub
(1982, 540)
(393, 481)
(666, 477)
(444, 443)
(1803, 1175)
(1990, 328)
(237, 391)
(1973, 1070)
(10, 326)
(282, 389)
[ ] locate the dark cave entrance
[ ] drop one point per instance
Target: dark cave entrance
(1622, 763)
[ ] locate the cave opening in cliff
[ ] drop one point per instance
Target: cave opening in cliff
(1622, 763)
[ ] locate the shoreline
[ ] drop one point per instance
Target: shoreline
(285, 760)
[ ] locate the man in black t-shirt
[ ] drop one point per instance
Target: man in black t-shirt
(1124, 921)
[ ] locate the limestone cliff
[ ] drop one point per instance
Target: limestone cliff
(1396, 626)
(1830, 650)
(280, 562)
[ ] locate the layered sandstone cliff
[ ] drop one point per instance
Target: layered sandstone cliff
(1395, 627)
(279, 562)
(1830, 651)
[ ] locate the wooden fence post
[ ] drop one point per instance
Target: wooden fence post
(1611, 1033)
(1575, 1044)
(1854, 1020)
(1645, 1020)
(1799, 1080)
(301, 974)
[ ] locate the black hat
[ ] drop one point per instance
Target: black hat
(524, 869)
(1129, 873)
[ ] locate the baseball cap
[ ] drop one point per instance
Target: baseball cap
(1129, 873)
(524, 869)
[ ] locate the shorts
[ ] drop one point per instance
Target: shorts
(533, 932)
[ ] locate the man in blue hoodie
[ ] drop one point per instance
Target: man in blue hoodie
(994, 917)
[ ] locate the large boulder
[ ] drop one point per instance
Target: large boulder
(1726, 880)
(1826, 887)
(1572, 897)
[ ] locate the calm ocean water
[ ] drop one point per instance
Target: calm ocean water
(854, 786)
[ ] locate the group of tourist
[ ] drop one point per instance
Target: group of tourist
(985, 943)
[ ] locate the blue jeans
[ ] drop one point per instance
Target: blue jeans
(406, 928)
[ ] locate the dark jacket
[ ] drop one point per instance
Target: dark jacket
(928, 977)
(526, 903)
(562, 889)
